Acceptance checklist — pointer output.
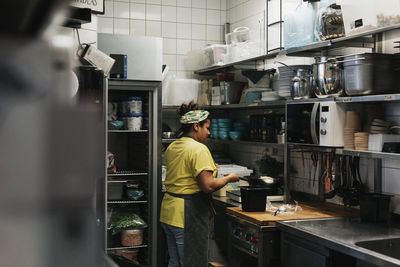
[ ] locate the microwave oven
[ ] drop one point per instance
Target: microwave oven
(317, 123)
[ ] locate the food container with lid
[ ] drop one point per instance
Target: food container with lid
(133, 191)
(215, 54)
(238, 35)
(132, 105)
(133, 121)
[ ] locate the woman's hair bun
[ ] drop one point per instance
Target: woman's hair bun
(185, 108)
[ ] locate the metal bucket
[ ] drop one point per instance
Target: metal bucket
(369, 74)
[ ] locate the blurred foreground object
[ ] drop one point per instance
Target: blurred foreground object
(52, 146)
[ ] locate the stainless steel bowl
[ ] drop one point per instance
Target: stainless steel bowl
(168, 135)
(328, 78)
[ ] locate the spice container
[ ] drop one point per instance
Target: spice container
(133, 121)
(132, 105)
(133, 237)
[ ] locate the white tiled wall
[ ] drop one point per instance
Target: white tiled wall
(183, 24)
(248, 13)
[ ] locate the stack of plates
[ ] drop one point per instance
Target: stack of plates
(269, 96)
(361, 141)
(379, 126)
(285, 78)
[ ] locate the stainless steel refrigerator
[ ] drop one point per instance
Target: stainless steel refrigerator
(136, 151)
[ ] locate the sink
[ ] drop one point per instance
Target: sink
(388, 247)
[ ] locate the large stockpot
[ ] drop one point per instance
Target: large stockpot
(368, 73)
(327, 78)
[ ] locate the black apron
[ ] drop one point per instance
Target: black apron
(198, 212)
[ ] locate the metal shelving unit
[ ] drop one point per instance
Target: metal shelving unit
(119, 248)
(127, 173)
(369, 98)
(229, 66)
(257, 105)
(302, 147)
(249, 143)
(127, 202)
(167, 107)
(127, 131)
(350, 99)
(168, 141)
(314, 49)
(368, 154)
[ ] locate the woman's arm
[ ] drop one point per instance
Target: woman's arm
(208, 183)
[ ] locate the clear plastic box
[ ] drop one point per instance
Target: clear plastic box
(373, 14)
(215, 54)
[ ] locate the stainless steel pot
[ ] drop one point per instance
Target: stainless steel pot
(301, 84)
(327, 78)
(369, 73)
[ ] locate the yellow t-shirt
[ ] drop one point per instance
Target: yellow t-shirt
(185, 159)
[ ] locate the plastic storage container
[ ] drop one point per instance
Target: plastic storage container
(374, 207)
(298, 27)
(182, 90)
(215, 54)
(132, 105)
(238, 35)
(373, 14)
(133, 121)
(253, 198)
(115, 191)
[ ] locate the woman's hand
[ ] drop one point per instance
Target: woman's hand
(208, 183)
(232, 177)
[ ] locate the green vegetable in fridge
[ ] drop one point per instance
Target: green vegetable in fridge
(125, 219)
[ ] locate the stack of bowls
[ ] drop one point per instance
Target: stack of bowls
(352, 125)
(224, 127)
(214, 128)
(241, 130)
(379, 127)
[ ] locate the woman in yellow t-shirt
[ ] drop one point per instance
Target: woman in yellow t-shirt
(190, 179)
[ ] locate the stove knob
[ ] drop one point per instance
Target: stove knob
(249, 236)
(237, 232)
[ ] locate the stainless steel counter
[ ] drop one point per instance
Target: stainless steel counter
(226, 201)
(342, 234)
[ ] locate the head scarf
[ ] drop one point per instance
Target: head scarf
(194, 116)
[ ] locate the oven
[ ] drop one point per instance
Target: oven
(252, 245)
(315, 123)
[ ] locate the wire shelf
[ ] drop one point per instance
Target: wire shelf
(127, 173)
(118, 248)
(127, 131)
(127, 201)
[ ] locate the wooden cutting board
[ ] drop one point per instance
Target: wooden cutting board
(309, 211)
